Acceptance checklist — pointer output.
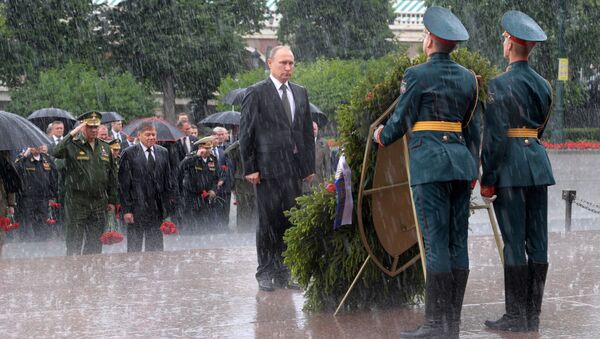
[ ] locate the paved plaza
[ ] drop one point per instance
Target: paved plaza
(212, 293)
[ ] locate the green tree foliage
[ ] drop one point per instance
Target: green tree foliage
(40, 34)
(325, 261)
(182, 45)
(329, 82)
(78, 88)
(345, 29)
(482, 20)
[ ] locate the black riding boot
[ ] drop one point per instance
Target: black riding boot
(459, 285)
(515, 301)
(535, 294)
(437, 300)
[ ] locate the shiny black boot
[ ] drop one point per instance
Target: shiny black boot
(515, 301)
(535, 294)
(459, 284)
(437, 300)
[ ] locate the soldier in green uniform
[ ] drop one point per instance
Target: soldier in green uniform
(437, 101)
(246, 212)
(90, 184)
(199, 177)
(517, 171)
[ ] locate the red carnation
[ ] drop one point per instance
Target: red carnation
(55, 205)
(330, 187)
(111, 237)
(14, 226)
(224, 168)
(4, 223)
(50, 221)
(168, 227)
(204, 194)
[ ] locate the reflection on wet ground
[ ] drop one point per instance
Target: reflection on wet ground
(211, 292)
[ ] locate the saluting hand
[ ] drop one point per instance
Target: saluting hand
(77, 129)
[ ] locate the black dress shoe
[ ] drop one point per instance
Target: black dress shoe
(266, 285)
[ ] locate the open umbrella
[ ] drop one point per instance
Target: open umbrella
(235, 96)
(165, 131)
(318, 116)
(17, 133)
(45, 116)
(221, 119)
(110, 117)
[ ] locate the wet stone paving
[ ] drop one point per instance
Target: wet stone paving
(210, 292)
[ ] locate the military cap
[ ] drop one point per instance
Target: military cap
(92, 118)
(114, 144)
(522, 28)
(206, 142)
(444, 25)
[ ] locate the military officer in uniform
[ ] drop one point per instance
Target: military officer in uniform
(437, 102)
(90, 184)
(40, 188)
(246, 214)
(199, 178)
(517, 172)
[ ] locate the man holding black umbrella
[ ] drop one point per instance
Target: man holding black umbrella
(90, 184)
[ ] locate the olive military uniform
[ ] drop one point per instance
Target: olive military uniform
(517, 169)
(90, 184)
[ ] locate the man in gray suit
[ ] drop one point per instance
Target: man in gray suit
(278, 152)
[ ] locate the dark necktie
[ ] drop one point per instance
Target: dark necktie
(151, 161)
(286, 103)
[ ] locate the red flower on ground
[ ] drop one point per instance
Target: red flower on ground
(224, 168)
(204, 194)
(50, 221)
(112, 237)
(330, 187)
(168, 227)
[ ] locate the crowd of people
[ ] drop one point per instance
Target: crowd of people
(88, 174)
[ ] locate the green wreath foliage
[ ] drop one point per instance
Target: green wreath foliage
(324, 261)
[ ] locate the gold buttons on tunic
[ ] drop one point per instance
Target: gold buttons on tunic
(526, 141)
(445, 138)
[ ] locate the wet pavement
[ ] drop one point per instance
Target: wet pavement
(211, 292)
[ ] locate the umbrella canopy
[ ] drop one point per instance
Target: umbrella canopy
(165, 131)
(17, 133)
(235, 96)
(45, 116)
(221, 119)
(318, 116)
(110, 117)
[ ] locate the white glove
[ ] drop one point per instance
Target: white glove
(490, 200)
(376, 133)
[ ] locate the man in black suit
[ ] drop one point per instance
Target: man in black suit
(116, 130)
(186, 145)
(278, 151)
(221, 135)
(146, 190)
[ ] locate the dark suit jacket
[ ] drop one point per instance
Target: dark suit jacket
(267, 139)
(135, 180)
(182, 151)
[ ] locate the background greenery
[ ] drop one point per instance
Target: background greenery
(78, 88)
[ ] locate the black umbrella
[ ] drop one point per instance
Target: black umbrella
(318, 116)
(18, 133)
(235, 97)
(45, 116)
(165, 131)
(110, 117)
(221, 119)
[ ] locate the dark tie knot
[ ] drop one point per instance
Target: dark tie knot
(283, 88)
